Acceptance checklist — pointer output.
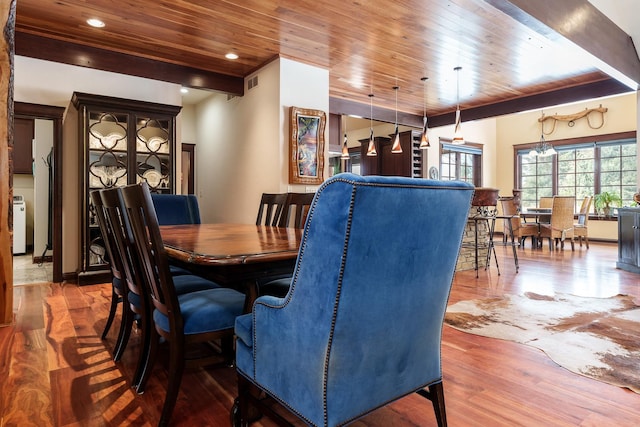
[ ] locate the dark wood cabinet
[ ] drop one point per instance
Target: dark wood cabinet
(121, 142)
(23, 145)
(629, 239)
(408, 163)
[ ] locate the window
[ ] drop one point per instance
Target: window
(580, 169)
(461, 162)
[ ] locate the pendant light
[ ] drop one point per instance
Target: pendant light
(371, 149)
(396, 148)
(424, 138)
(457, 131)
(345, 148)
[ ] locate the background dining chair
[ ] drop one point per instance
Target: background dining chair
(173, 209)
(118, 289)
(181, 320)
(560, 227)
(521, 230)
(294, 212)
(580, 228)
(176, 209)
(545, 203)
(362, 323)
(270, 208)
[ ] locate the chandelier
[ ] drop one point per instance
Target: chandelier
(542, 148)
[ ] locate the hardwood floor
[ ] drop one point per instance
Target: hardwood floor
(55, 370)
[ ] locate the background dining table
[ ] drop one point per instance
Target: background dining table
(234, 255)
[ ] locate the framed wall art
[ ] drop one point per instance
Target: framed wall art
(306, 146)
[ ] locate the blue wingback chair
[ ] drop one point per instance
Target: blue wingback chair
(361, 324)
(172, 209)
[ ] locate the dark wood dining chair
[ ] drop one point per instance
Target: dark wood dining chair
(270, 209)
(119, 292)
(139, 299)
(185, 320)
(295, 210)
(294, 214)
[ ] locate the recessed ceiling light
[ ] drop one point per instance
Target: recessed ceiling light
(95, 23)
(184, 90)
(231, 55)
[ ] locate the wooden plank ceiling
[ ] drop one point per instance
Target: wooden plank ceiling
(368, 46)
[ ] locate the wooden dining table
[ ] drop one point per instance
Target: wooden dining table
(234, 255)
(535, 213)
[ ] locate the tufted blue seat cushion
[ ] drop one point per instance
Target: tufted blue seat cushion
(206, 311)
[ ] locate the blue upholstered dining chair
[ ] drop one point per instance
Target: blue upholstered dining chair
(361, 325)
(172, 209)
(181, 320)
(175, 209)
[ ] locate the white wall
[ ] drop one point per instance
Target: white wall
(242, 143)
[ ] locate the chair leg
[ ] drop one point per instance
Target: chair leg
(176, 368)
(145, 349)
(150, 360)
(586, 241)
(436, 396)
(126, 325)
(115, 300)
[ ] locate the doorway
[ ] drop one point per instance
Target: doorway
(45, 112)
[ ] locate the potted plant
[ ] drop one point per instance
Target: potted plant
(605, 200)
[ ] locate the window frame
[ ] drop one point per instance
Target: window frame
(596, 140)
(475, 149)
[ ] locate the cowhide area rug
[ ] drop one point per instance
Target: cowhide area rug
(595, 337)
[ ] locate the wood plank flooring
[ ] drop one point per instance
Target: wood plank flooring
(56, 371)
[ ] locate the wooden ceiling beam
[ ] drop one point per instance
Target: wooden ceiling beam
(584, 25)
(85, 56)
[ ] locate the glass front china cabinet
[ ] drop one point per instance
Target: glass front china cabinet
(122, 142)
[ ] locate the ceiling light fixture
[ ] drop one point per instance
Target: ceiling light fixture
(96, 23)
(231, 55)
(371, 149)
(424, 138)
(542, 148)
(184, 90)
(458, 139)
(396, 148)
(345, 147)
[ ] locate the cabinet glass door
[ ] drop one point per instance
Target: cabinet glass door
(107, 167)
(153, 153)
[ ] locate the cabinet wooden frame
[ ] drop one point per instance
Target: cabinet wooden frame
(306, 146)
